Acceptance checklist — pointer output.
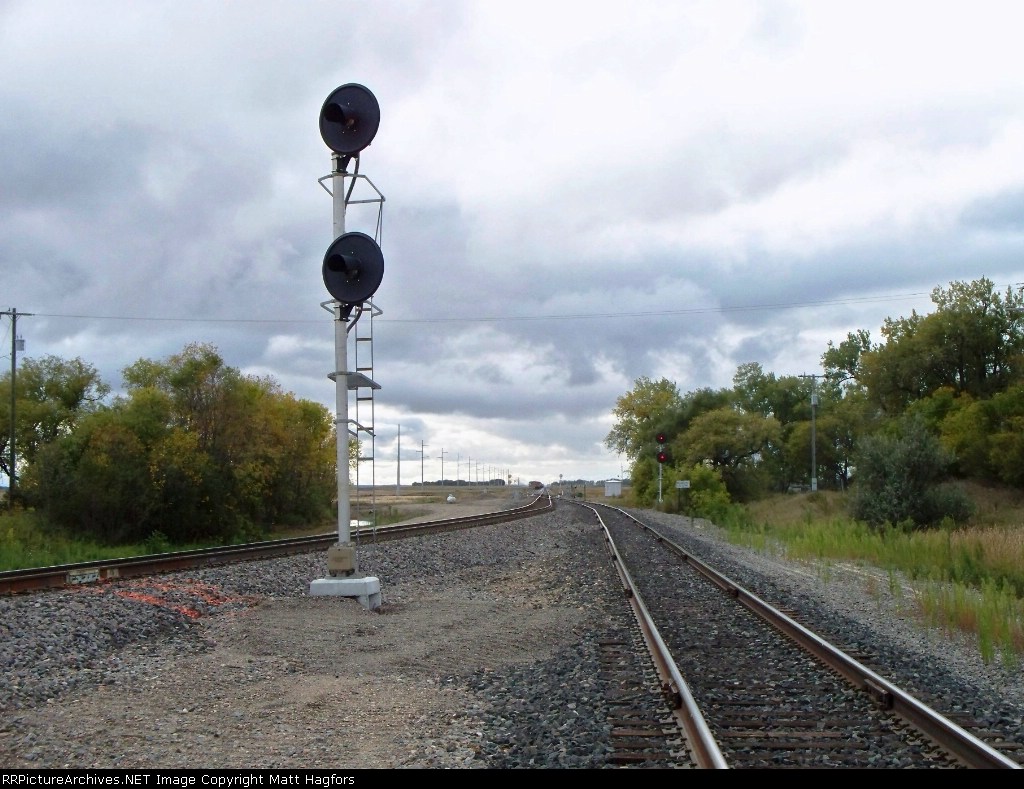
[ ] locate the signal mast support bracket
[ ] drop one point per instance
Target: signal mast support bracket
(355, 381)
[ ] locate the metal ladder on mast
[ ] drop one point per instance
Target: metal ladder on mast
(362, 427)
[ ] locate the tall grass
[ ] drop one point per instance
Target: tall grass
(26, 542)
(969, 581)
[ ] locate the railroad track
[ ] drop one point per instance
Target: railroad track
(751, 697)
(762, 690)
(35, 579)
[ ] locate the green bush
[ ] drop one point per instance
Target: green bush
(157, 542)
(899, 479)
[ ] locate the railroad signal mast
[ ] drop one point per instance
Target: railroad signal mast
(353, 268)
(662, 459)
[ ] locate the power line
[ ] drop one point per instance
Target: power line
(513, 318)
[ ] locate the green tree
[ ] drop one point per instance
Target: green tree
(1004, 420)
(637, 414)
(973, 343)
(51, 397)
(194, 451)
(843, 363)
(94, 481)
(707, 496)
(786, 400)
(732, 442)
(902, 479)
(842, 422)
(676, 419)
(644, 480)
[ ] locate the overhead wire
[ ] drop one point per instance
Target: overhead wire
(513, 318)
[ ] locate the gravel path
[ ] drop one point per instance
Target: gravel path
(473, 661)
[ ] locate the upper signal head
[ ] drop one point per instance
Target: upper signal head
(349, 119)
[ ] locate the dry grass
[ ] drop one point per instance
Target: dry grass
(969, 579)
(996, 507)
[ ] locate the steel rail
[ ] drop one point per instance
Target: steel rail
(682, 705)
(36, 579)
(971, 750)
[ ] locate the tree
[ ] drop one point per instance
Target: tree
(842, 423)
(787, 400)
(843, 363)
(194, 451)
(198, 383)
(707, 496)
(900, 479)
(973, 343)
(52, 395)
(637, 413)
(999, 432)
(94, 481)
(730, 441)
(677, 419)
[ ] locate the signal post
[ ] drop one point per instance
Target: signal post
(353, 268)
(662, 458)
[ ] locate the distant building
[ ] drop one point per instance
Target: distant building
(613, 487)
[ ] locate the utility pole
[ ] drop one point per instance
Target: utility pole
(398, 475)
(15, 343)
(814, 406)
(422, 446)
(443, 453)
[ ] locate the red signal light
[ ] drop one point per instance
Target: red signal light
(662, 438)
(662, 457)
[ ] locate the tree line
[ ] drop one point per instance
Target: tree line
(193, 450)
(897, 422)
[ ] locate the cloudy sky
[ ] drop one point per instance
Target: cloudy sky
(576, 195)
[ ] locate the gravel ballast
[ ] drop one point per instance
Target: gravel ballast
(480, 657)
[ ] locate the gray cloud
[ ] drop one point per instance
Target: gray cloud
(574, 196)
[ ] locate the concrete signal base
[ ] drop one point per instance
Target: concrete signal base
(366, 589)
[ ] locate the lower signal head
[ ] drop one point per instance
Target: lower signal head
(353, 268)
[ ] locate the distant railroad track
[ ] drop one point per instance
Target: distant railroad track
(36, 579)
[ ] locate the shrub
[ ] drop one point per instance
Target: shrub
(899, 479)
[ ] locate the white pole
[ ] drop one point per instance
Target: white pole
(341, 367)
(814, 442)
(398, 476)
